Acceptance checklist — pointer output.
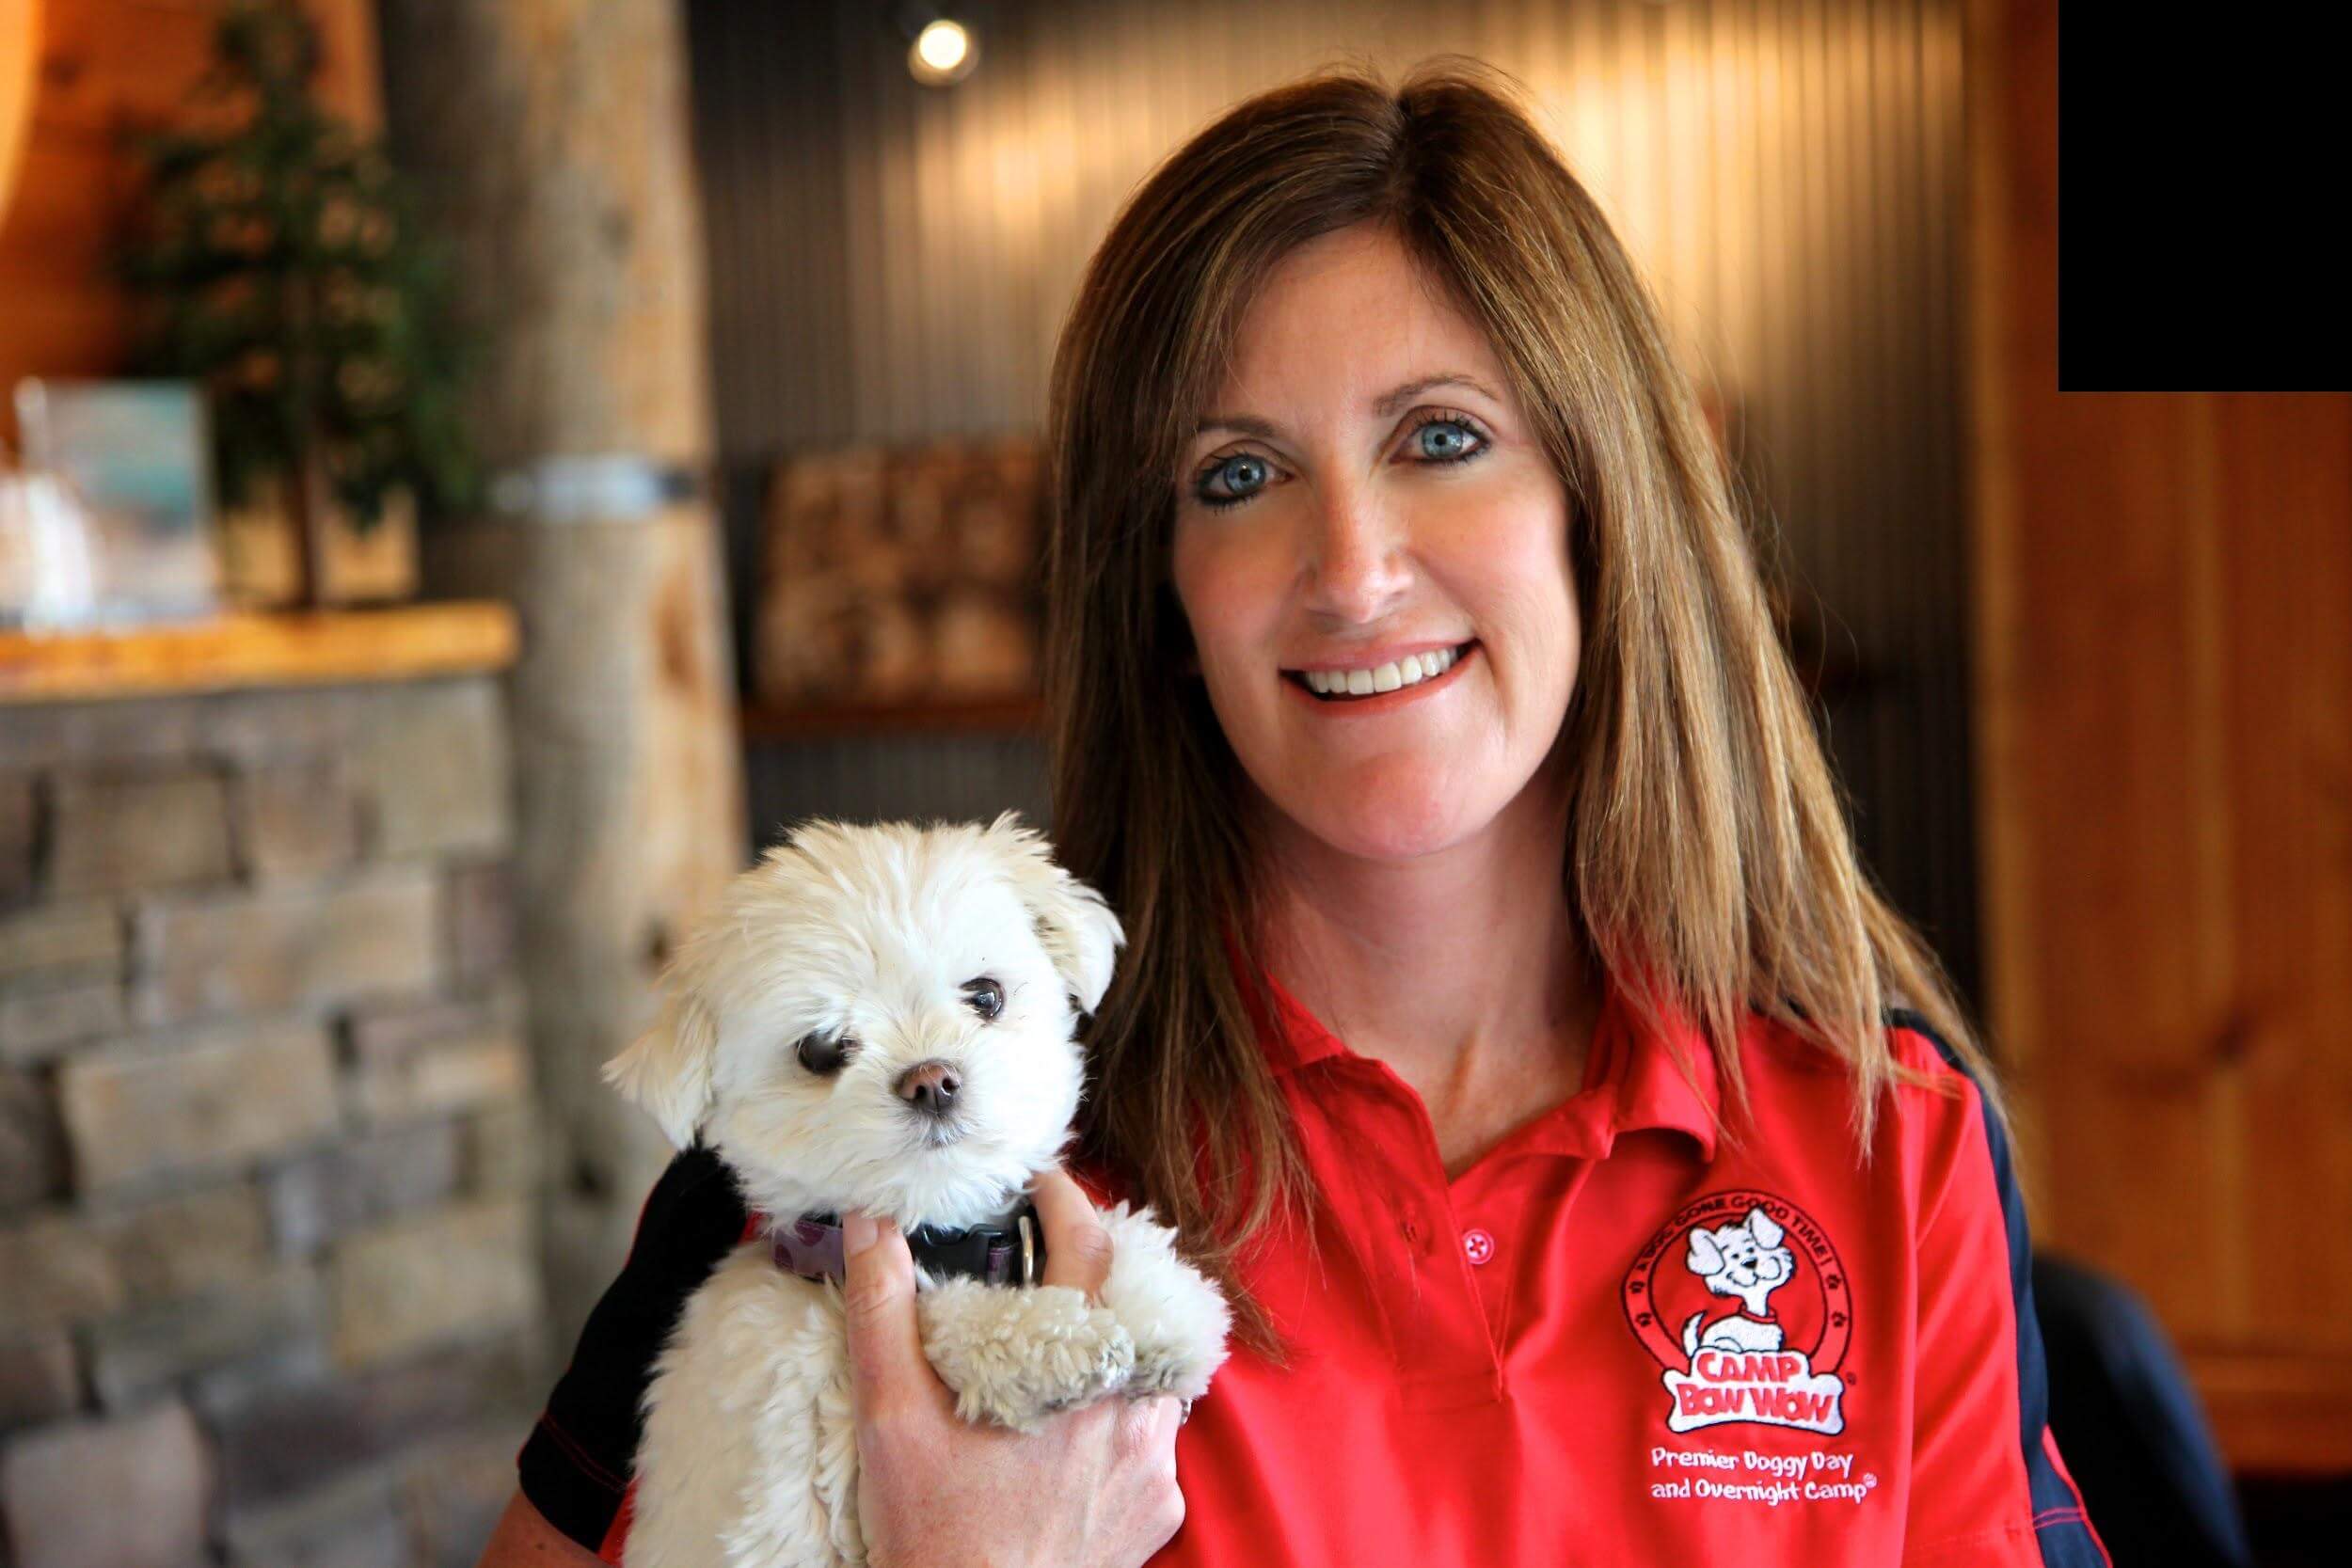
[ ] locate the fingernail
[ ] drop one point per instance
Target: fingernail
(858, 1232)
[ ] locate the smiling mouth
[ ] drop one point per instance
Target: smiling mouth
(1378, 680)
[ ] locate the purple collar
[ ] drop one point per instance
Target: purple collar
(1012, 1253)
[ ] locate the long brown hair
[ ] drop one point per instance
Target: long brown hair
(1710, 861)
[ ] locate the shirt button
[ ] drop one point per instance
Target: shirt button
(1478, 1245)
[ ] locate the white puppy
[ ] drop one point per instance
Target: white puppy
(881, 1018)
(1746, 1260)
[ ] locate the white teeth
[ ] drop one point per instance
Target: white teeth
(1409, 671)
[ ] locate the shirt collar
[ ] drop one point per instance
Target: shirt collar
(1637, 1078)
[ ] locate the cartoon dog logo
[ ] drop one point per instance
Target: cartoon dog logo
(1745, 1260)
(1743, 1302)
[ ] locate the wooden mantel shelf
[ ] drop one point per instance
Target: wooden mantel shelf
(238, 651)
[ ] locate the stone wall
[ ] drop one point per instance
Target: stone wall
(269, 1286)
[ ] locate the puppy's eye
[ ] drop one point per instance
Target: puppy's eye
(825, 1054)
(985, 996)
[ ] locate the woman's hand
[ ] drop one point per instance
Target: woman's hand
(1095, 1488)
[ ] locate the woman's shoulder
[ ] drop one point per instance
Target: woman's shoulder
(1935, 1099)
(1777, 1051)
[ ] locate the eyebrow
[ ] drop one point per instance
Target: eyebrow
(1386, 405)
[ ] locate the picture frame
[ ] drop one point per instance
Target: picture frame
(133, 456)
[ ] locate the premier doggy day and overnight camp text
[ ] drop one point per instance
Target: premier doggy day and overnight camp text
(1769, 1479)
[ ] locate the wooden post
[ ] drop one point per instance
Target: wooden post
(551, 141)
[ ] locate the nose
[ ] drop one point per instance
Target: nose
(929, 1087)
(1360, 571)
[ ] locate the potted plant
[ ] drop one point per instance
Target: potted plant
(279, 264)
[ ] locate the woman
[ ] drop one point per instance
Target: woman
(1505, 1014)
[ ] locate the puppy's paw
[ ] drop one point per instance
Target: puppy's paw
(1176, 1319)
(1015, 1356)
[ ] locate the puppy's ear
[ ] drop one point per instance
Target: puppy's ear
(1706, 1256)
(668, 1070)
(1764, 1228)
(1078, 931)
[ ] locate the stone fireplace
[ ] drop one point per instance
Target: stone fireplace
(267, 1237)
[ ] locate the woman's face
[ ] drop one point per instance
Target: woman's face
(1371, 548)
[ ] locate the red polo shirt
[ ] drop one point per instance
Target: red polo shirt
(1536, 1362)
(1616, 1338)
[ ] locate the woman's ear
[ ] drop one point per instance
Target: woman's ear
(1078, 931)
(668, 1070)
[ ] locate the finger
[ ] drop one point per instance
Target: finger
(1077, 1248)
(886, 1364)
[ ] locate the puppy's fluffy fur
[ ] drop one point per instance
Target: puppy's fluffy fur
(868, 939)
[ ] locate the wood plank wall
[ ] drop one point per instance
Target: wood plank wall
(20, 42)
(892, 263)
(2164, 681)
(105, 67)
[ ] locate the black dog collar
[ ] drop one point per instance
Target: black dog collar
(1012, 1253)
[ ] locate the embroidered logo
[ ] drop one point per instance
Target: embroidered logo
(1741, 1297)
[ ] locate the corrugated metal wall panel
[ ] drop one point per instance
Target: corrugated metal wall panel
(892, 263)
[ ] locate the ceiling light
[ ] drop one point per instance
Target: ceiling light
(944, 51)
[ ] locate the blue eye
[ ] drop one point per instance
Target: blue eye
(1235, 478)
(1446, 440)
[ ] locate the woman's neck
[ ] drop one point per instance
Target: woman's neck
(1463, 969)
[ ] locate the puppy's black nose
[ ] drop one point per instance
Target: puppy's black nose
(929, 1087)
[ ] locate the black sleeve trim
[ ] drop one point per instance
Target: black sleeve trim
(576, 1464)
(2061, 1526)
